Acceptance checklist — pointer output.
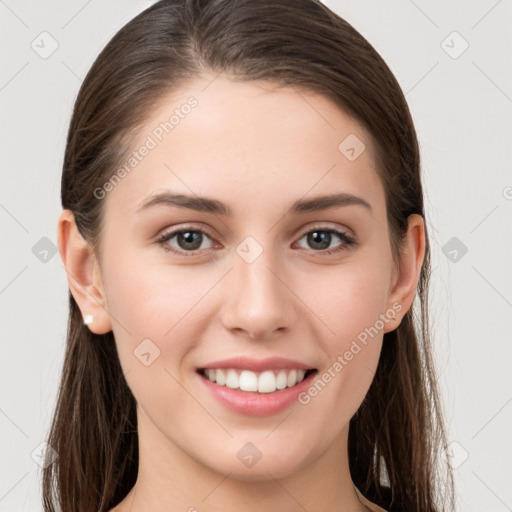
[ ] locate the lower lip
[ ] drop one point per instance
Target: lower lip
(256, 404)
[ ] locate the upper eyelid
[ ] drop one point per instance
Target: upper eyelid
(174, 231)
(320, 226)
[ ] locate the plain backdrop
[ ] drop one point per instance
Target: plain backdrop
(452, 60)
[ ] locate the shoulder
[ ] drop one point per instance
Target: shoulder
(372, 506)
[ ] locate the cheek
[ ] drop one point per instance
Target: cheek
(351, 299)
(156, 314)
(352, 302)
(355, 317)
(151, 299)
(152, 302)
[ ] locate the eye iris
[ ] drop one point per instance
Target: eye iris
(189, 237)
(315, 237)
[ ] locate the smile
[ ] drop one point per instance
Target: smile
(267, 381)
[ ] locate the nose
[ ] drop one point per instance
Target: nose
(258, 302)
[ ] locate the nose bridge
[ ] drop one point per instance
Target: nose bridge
(259, 302)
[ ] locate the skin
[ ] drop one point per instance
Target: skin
(257, 149)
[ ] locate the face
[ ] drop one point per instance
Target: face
(261, 285)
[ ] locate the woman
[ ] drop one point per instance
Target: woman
(243, 232)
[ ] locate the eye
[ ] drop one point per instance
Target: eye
(188, 240)
(320, 239)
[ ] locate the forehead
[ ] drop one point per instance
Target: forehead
(245, 143)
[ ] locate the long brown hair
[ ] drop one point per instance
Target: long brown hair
(397, 435)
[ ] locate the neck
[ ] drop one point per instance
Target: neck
(171, 479)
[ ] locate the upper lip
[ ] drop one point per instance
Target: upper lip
(258, 365)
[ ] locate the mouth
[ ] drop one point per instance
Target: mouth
(267, 381)
(256, 387)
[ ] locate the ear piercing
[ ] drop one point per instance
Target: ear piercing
(88, 319)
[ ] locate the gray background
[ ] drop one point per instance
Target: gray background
(461, 104)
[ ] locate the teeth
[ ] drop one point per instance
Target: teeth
(292, 378)
(220, 378)
(264, 382)
(281, 380)
(232, 379)
(248, 381)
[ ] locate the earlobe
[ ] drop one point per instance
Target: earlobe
(407, 273)
(83, 274)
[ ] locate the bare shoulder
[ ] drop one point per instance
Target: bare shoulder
(371, 506)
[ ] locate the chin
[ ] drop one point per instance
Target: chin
(250, 464)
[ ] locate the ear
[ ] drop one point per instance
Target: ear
(406, 274)
(83, 273)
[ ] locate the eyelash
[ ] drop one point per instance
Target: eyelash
(347, 240)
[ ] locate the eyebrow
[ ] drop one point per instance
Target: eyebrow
(209, 205)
